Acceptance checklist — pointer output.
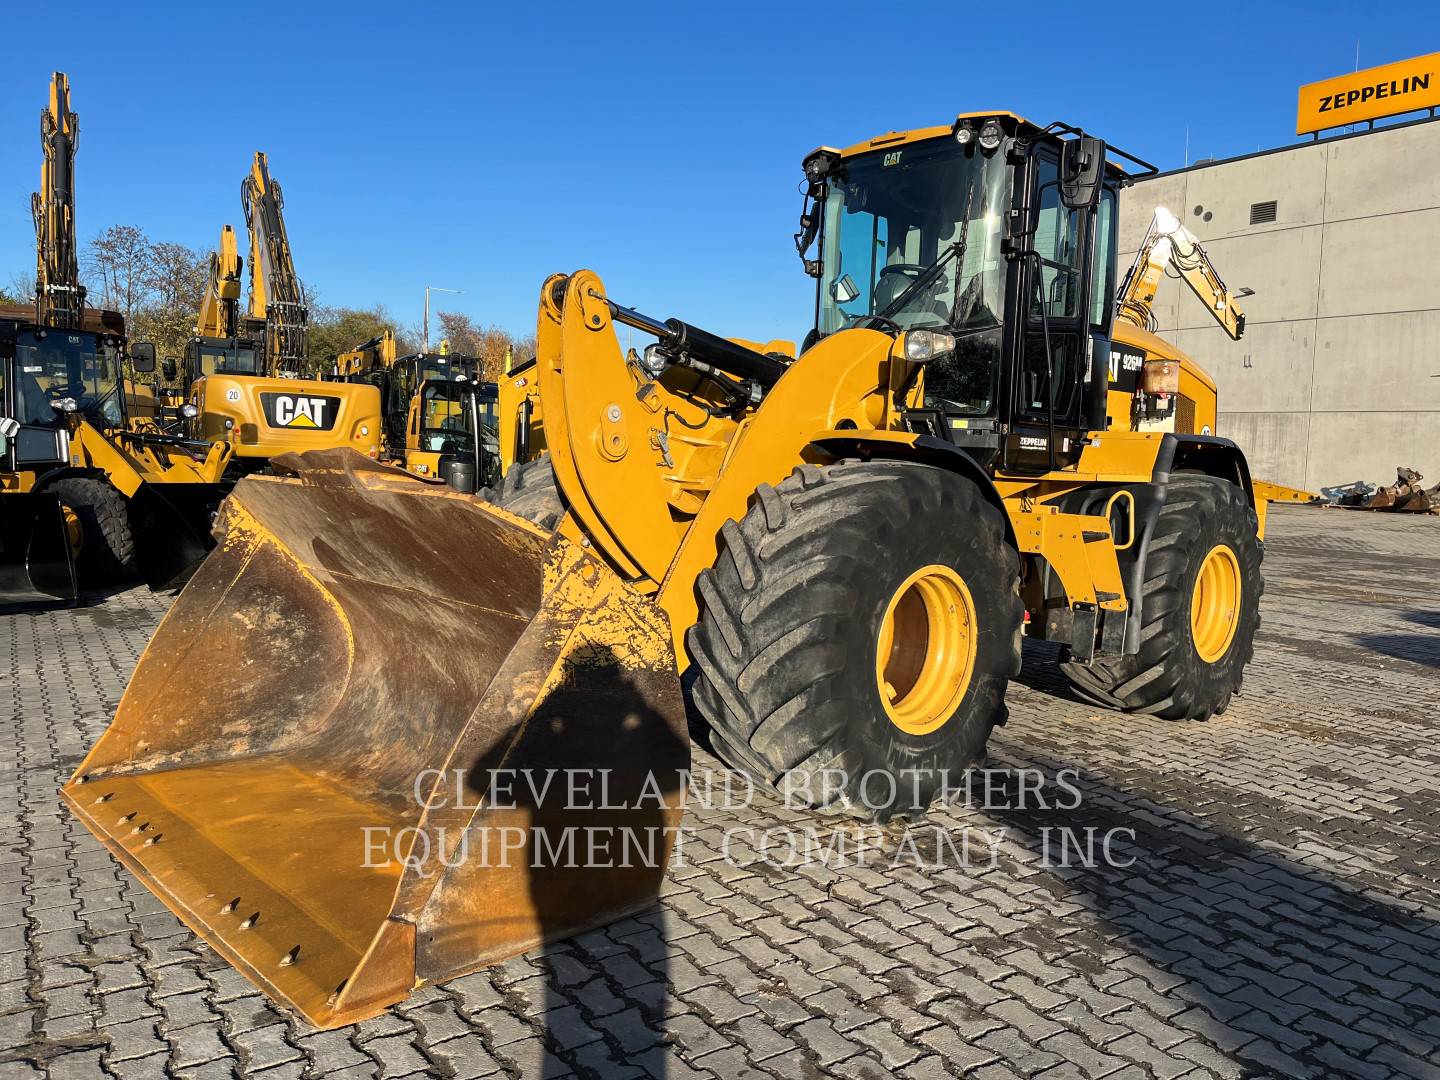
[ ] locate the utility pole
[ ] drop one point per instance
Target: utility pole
(428, 290)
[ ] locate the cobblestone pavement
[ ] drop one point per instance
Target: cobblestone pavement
(1279, 917)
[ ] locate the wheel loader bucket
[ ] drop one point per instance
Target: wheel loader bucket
(389, 734)
(36, 562)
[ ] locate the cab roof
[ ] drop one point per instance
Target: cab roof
(1015, 123)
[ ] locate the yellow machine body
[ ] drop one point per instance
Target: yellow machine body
(265, 417)
(390, 627)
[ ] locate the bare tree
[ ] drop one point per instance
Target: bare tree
(174, 283)
(489, 343)
(119, 262)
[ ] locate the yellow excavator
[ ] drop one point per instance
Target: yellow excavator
(841, 551)
(246, 367)
(1179, 386)
(130, 500)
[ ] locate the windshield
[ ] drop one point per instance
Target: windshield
(228, 360)
(889, 215)
(445, 417)
(55, 364)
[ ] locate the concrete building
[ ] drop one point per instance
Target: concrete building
(1338, 375)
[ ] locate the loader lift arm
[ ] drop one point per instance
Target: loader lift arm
(1169, 243)
(277, 299)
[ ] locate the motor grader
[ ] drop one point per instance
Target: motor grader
(840, 552)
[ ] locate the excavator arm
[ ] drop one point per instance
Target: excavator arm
(59, 297)
(277, 299)
(1168, 243)
(220, 307)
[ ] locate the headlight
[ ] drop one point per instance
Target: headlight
(819, 165)
(922, 346)
(364, 430)
(189, 412)
(229, 423)
(991, 135)
(965, 133)
(65, 404)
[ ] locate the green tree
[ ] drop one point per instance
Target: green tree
(334, 330)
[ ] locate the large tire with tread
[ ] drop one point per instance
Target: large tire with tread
(1168, 677)
(786, 648)
(528, 489)
(107, 545)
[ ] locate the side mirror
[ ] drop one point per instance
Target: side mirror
(142, 357)
(169, 368)
(1082, 170)
(844, 290)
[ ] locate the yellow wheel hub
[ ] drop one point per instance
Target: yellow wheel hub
(74, 531)
(1215, 603)
(926, 652)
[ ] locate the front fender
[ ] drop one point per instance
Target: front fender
(910, 446)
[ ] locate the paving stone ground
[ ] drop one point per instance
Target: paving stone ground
(1270, 907)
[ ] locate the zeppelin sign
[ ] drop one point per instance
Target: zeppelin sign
(1370, 94)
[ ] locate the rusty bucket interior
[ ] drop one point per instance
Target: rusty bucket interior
(371, 743)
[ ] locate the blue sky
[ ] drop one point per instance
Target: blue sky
(479, 149)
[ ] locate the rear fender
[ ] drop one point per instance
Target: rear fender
(1212, 456)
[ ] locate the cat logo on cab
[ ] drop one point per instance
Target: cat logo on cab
(309, 411)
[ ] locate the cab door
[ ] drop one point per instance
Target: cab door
(1052, 367)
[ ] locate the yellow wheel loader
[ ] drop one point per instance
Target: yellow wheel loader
(90, 496)
(841, 551)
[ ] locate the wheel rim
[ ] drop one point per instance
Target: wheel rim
(1215, 603)
(74, 531)
(926, 652)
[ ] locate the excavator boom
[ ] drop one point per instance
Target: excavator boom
(59, 297)
(1168, 244)
(277, 299)
(220, 306)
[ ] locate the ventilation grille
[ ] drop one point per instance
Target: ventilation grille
(1262, 213)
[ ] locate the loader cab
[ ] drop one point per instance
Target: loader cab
(999, 233)
(452, 419)
(50, 380)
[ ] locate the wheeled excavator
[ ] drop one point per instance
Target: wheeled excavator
(127, 500)
(246, 366)
(840, 551)
(1175, 381)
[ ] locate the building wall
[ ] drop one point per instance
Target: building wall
(1338, 375)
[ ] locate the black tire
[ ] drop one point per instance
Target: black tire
(1167, 678)
(785, 644)
(107, 545)
(529, 490)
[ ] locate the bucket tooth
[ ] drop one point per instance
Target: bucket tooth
(333, 728)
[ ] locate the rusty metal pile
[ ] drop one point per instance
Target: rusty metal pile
(1407, 495)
